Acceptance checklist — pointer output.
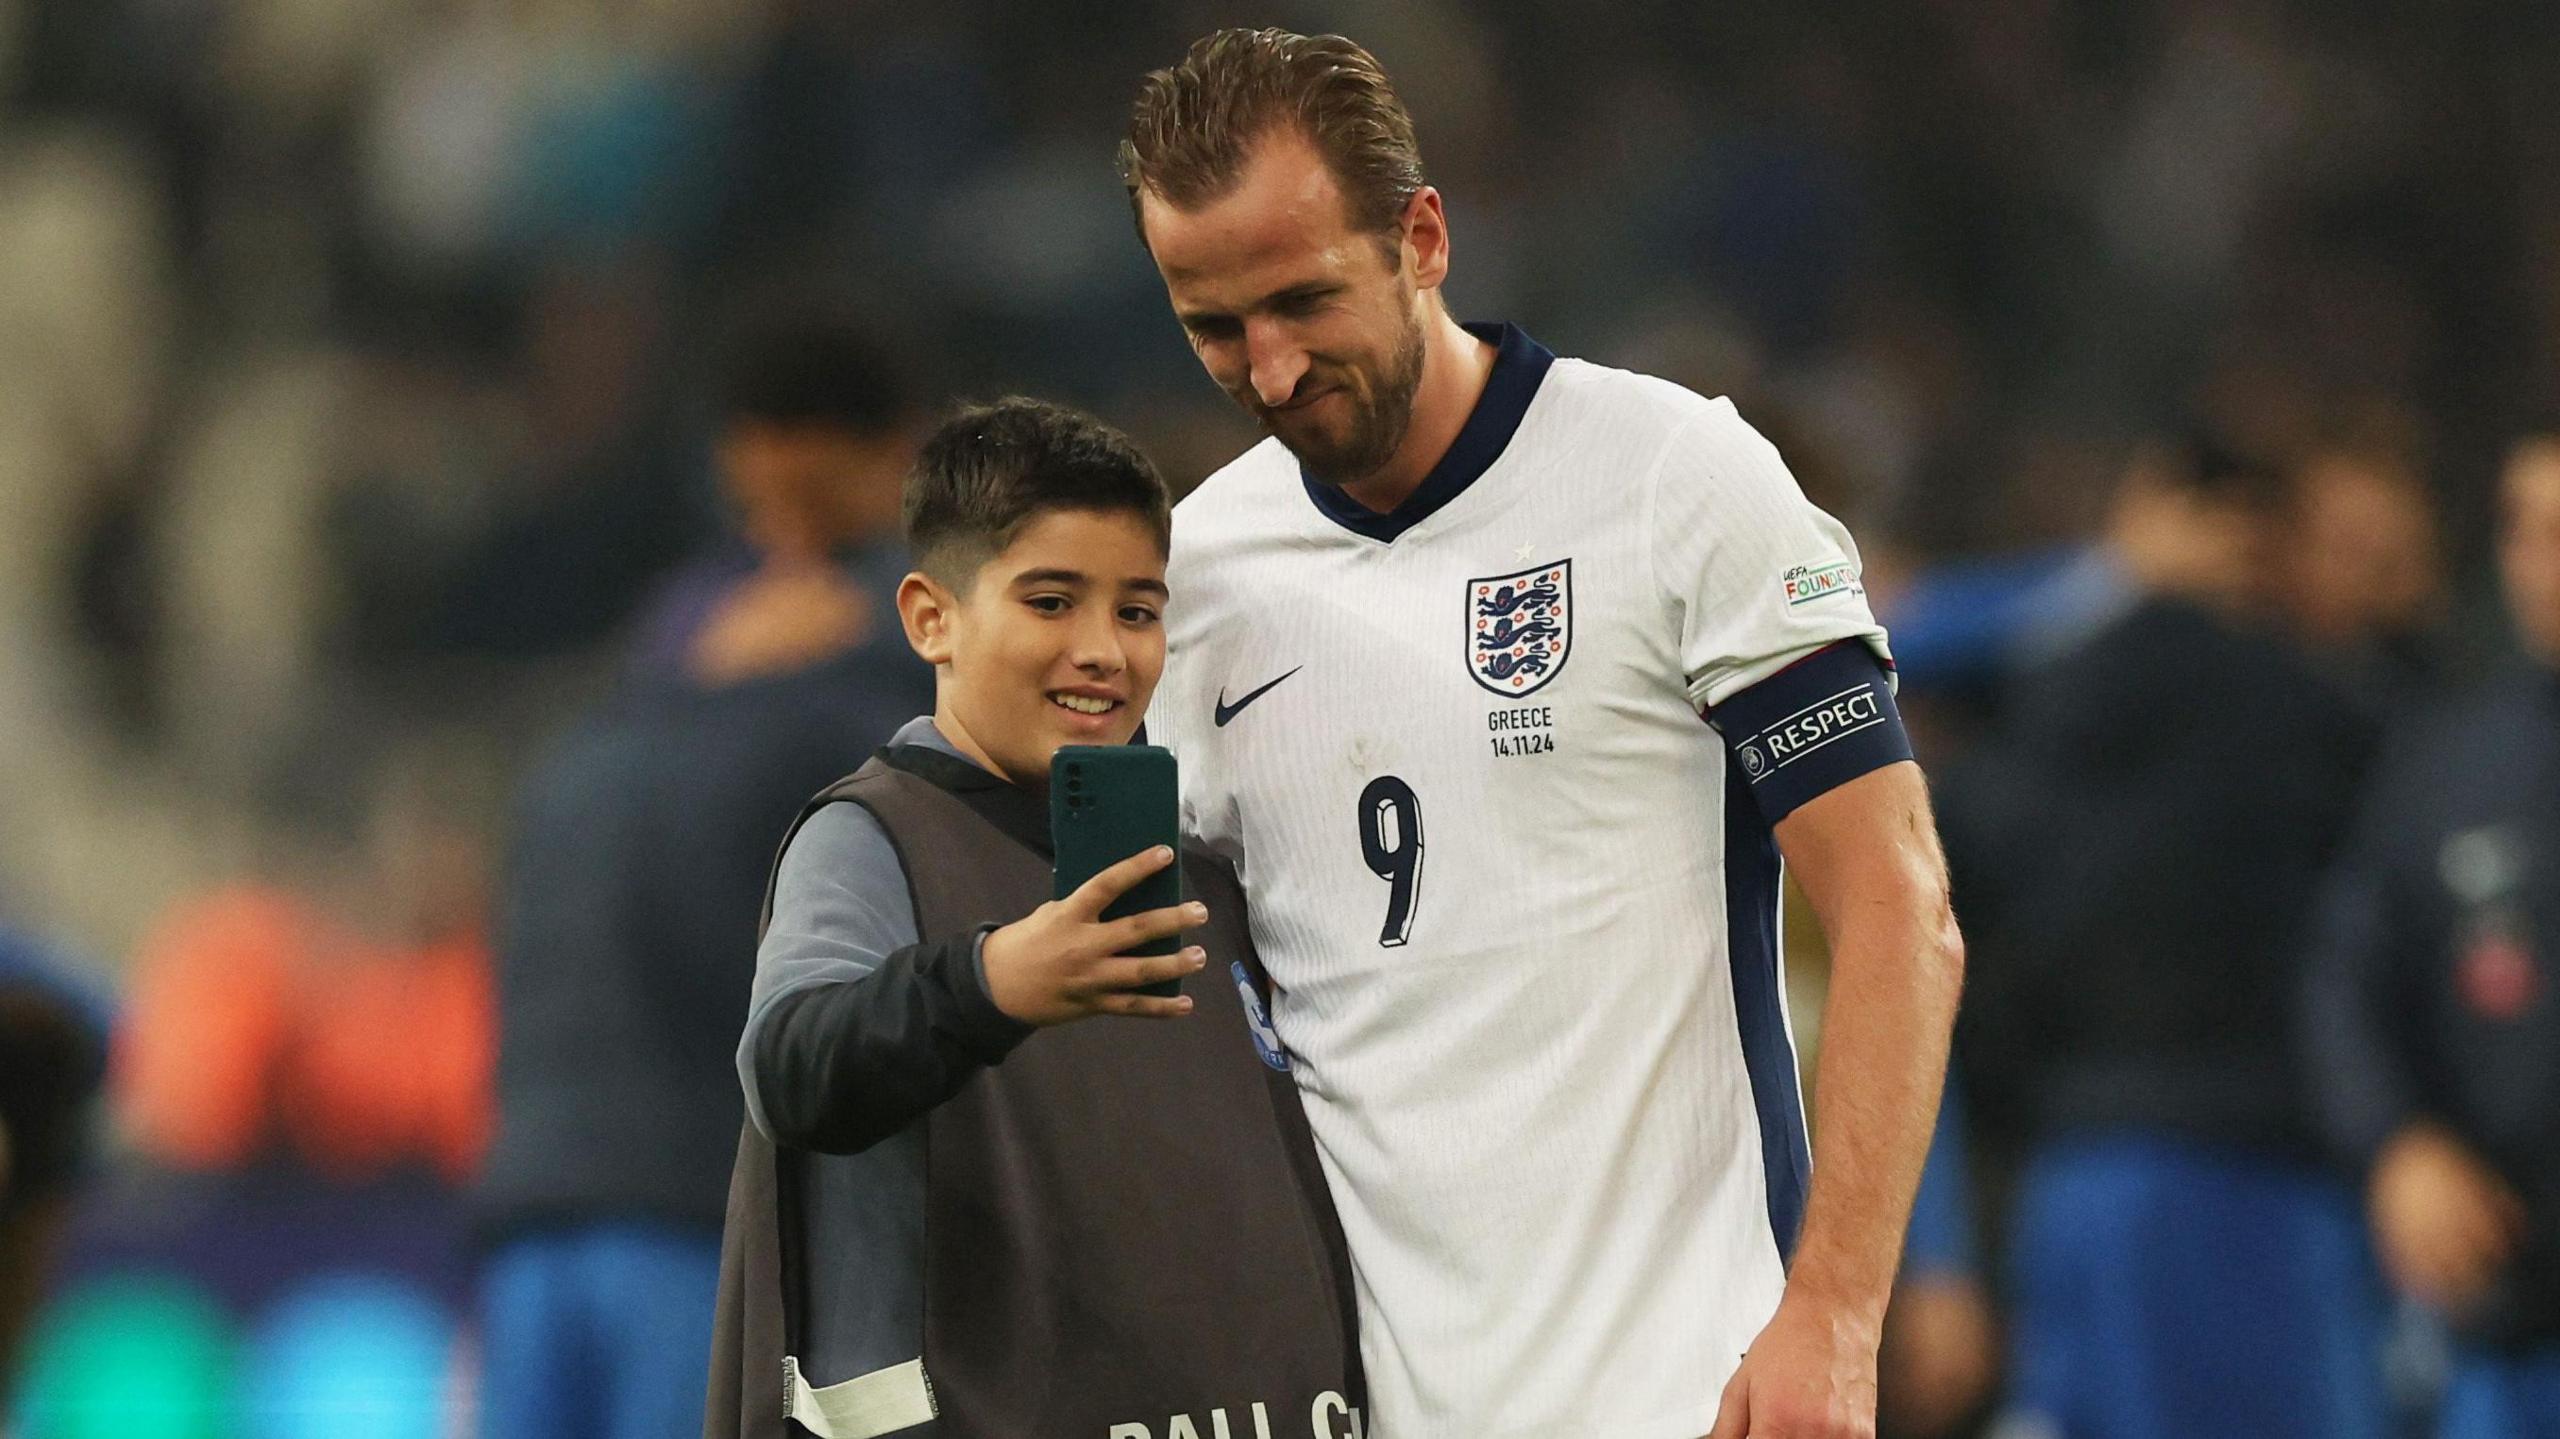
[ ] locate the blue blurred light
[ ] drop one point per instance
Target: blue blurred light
(348, 1354)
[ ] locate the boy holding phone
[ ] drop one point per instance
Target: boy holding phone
(954, 1212)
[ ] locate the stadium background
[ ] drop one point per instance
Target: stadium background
(352, 363)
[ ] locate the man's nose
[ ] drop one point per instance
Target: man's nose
(1278, 363)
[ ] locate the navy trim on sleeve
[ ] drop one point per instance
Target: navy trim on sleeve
(1751, 899)
(1812, 727)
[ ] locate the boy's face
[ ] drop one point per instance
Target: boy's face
(1059, 640)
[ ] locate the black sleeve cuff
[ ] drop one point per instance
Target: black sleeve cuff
(843, 1066)
(1812, 727)
(959, 970)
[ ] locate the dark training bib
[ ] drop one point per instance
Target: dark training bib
(1125, 1220)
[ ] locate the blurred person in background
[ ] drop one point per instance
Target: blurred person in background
(53, 1059)
(2360, 571)
(628, 909)
(2138, 844)
(814, 442)
(2434, 1022)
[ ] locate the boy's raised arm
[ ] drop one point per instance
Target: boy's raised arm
(855, 1027)
(858, 1027)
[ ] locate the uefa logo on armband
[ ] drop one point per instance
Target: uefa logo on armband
(1520, 628)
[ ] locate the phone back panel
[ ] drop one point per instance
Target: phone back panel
(1106, 803)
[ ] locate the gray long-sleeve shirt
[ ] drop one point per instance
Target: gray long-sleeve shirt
(840, 909)
(841, 915)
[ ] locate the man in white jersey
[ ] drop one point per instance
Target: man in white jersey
(1506, 681)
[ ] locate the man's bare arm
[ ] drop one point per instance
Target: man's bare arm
(1866, 856)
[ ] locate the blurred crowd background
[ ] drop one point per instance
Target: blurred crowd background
(369, 367)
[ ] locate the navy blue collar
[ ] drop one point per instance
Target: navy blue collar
(1519, 365)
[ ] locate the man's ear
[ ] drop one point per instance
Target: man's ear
(928, 611)
(1426, 237)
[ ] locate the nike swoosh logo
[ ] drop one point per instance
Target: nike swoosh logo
(1228, 711)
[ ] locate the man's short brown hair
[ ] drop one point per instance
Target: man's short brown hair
(1194, 126)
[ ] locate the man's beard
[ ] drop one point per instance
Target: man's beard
(1379, 419)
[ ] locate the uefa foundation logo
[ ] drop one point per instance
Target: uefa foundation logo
(1804, 584)
(1520, 628)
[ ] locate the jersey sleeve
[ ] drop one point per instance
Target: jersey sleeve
(1757, 576)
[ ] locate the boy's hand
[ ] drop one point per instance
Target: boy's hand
(1064, 961)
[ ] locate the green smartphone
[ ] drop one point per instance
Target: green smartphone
(1106, 803)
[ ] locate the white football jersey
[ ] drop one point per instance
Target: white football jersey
(1519, 910)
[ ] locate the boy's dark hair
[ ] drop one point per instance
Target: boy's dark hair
(821, 370)
(990, 469)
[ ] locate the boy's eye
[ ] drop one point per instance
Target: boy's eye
(1048, 604)
(1138, 615)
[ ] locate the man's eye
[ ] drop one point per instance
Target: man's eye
(1209, 329)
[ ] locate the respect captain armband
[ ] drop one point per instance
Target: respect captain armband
(1811, 727)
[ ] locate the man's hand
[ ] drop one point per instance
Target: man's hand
(2444, 1222)
(1810, 1375)
(1064, 961)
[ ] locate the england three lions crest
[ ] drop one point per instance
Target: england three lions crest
(1520, 628)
